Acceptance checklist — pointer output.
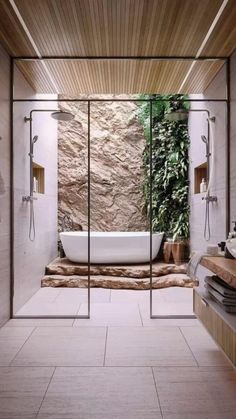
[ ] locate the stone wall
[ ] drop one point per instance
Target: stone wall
(117, 143)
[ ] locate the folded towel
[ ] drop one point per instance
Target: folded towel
(193, 264)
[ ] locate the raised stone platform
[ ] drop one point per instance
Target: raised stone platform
(63, 273)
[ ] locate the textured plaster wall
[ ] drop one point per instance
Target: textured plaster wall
(233, 139)
(198, 127)
(117, 144)
(32, 257)
(4, 188)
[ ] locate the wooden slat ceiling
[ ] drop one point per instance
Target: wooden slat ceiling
(118, 28)
(119, 76)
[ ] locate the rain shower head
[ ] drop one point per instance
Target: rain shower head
(62, 116)
(177, 115)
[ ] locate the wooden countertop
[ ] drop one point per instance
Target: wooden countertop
(222, 267)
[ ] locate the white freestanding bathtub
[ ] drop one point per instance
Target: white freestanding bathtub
(110, 247)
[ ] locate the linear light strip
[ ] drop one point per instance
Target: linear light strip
(24, 26)
(205, 40)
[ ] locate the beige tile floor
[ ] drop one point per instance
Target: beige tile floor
(120, 364)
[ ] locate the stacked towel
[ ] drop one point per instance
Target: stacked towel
(222, 293)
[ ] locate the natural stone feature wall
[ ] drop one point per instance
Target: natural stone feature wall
(117, 144)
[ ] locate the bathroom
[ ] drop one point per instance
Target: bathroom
(33, 254)
(117, 340)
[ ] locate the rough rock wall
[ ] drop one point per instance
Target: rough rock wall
(117, 143)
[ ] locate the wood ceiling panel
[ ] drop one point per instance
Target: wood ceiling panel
(223, 40)
(12, 35)
(118, 76)
(118, 27)
(36, 76)
(201, 76)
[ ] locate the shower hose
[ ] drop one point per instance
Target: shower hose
(32, 222)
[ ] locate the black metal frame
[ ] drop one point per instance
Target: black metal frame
(89, 101)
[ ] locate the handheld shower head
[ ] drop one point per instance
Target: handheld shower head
(35, 138)
(204, 139)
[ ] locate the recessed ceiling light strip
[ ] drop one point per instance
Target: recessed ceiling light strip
(205, 40)
(22, 22)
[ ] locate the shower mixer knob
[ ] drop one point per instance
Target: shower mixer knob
(210, 198)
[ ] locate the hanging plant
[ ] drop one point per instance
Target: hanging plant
(170, 163)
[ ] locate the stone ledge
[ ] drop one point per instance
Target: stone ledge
(121, 282)
(67, 268)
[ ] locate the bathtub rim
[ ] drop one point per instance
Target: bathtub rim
(111, 234)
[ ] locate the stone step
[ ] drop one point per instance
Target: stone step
(67, 268)
(118, 282)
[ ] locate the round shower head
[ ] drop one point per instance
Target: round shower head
(62, 116)
(178, 115)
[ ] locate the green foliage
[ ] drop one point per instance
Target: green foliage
(169, 166)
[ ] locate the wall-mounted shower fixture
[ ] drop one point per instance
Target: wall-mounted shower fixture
(62, 116)
(59, 116)
(181, 114)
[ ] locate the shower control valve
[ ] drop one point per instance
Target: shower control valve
(209, 198)
(28, 198)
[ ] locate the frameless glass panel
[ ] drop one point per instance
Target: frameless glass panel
(47, 186)
(119, 222)
(186, 152)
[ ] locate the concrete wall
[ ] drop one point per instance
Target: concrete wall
(31, 257)
(198, 127)
(4, 188)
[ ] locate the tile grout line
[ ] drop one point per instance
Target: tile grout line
(188, 345)
(105, 349)
(13, 359)
(158, 398)
(57, 295)
(77, 312)
(140, 314)
(46, 391)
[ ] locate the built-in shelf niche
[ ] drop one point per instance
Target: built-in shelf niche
(38, 174)
(200, 172)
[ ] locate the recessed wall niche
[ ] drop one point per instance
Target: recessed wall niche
(200, 172)
(38, 176)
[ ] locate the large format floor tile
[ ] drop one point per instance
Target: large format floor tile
(63, 346)
(203, 347)
(200, 416)
(97, 295)
(110, 314)
(164, 308)
(127, 346)
(176, 295)
(101, 393)
(35, 307)
(194, 374)
(196, 391)
(22, 390)
(145, 315)
(134, 296)
(11, 341)
(39, 322)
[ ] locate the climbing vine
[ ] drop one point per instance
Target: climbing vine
(170, 163)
